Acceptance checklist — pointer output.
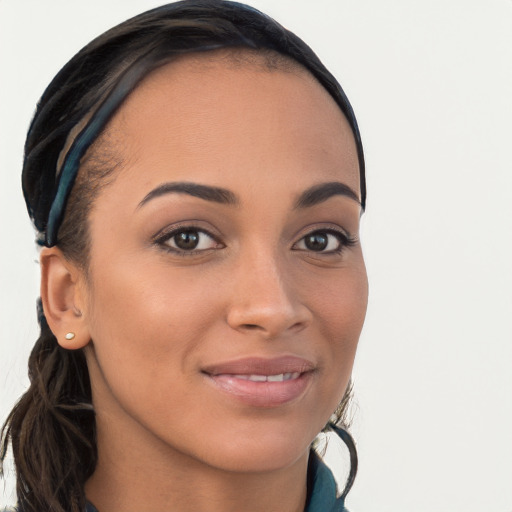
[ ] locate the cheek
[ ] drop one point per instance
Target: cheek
(145, 326)
(340, 309)
(147, 302)
(339, 304)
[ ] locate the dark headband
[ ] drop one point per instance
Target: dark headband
(153, 59)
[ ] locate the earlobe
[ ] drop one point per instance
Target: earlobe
(62, 297)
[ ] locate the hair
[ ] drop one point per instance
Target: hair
(52, 427)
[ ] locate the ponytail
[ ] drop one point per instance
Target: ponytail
(52, 429)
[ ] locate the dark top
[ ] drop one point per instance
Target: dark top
(321, 489)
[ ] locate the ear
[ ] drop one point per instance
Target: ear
(63, 297)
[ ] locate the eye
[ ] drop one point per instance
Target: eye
(324, 241)
(188, 240)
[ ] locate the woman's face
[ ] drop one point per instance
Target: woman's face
(226, 289)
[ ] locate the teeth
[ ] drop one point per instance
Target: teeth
(269, 378)
(258, 378)
(276, 378)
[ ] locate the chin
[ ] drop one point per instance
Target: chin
(263, 460)
(260, 450)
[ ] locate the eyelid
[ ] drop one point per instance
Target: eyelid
(345, 238)
(169, 232)
(184, 225)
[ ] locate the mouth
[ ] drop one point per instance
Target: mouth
(281, 377)
(261, 382)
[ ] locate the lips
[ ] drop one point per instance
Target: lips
(281, 377)
(262, 382)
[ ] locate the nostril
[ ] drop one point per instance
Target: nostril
(250, 327)
(268, 319)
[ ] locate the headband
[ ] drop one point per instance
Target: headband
(129, 80)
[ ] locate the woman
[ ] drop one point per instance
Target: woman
(196, 178)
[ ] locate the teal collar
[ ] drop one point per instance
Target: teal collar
(322, 488)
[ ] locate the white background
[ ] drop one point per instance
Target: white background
(431, 83)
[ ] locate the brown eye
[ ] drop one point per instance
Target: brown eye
(188, 240)
(326, 241)
(316, 241)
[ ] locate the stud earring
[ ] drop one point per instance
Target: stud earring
(70, 336)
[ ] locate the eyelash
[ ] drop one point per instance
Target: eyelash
(344, 240)
(164, 238)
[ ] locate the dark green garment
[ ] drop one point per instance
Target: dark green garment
(321, 489)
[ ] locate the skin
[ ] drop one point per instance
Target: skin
(151, 318)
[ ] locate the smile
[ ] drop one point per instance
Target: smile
(260, 382)
(269, 378)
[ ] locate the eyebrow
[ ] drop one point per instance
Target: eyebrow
(320, 193)
(206, 192)
(310, 197)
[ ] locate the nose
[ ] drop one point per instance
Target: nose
(264, 300)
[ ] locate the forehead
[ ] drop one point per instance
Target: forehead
(221, 107)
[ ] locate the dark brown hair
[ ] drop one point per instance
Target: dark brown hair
(52, 427)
